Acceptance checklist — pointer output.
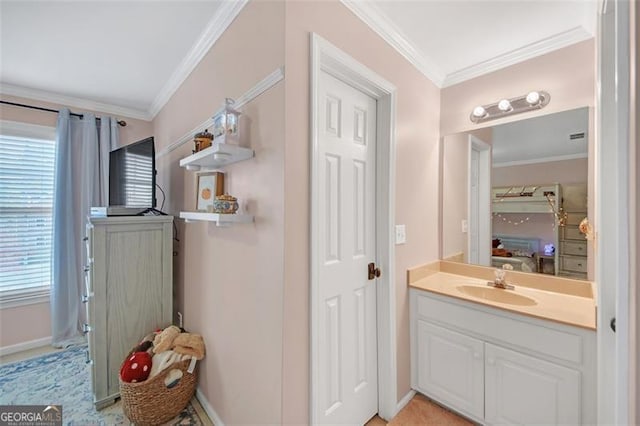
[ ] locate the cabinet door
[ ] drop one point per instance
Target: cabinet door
(520, 389)
(450, 368)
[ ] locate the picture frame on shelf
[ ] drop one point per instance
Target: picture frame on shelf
(208, 187)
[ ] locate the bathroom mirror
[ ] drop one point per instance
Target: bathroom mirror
(515, 194)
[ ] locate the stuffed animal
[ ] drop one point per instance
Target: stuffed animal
(164, 360)
(136, 368)
(189, 344)
(164, 341)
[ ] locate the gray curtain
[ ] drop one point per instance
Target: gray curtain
(81, 181)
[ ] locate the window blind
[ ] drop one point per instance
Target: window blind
(26, 205)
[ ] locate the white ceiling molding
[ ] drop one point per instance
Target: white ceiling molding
(541, 160)
(377, 21)
(72, 102)
(223, 17)
(524, 53)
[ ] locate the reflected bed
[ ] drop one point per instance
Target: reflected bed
(523, 250)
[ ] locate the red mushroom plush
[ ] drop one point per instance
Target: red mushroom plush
(136, 368)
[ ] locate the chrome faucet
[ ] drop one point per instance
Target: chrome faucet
(500, 281)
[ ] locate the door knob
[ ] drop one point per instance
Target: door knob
(373, 272)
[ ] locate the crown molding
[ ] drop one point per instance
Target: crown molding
(224, 16)
(547, 45)
(72, 102)
(541, 160)
(375, 19)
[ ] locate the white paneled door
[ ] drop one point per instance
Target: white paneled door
(348, 378)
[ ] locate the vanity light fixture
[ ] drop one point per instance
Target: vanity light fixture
(505, 107)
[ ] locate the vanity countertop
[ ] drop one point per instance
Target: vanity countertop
(564, 308)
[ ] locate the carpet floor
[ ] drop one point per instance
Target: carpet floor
(63, 378)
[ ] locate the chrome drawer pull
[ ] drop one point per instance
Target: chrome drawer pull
(88, 360)
(85, 298)
(85, 239)
(86, 328)
(87, 268)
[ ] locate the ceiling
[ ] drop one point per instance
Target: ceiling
(129, 57)
(541, 139)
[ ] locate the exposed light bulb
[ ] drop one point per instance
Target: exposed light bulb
(533, 98)
(504, 105)
(479, 112)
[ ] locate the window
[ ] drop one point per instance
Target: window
(27, 157)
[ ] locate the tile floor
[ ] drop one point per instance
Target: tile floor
(422, 411)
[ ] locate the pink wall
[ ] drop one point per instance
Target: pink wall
(229, 281)
(24, 323)
(417, 180)
(536, 225)
(30, 322)
(568, 74)
(564, 172)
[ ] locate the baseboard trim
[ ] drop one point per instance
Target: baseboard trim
(215, 418)
(405, 400)
(25, 346)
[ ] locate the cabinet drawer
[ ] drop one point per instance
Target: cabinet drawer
(544, 340)
(578, 248)
(571, 263)
(571, 233)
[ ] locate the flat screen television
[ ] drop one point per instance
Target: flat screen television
(132, 175)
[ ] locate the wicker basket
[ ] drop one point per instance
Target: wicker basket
(151, 402)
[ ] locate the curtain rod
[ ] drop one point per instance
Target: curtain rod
(120, 122)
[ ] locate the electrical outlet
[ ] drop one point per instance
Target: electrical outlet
(401, 234)
(180, 319)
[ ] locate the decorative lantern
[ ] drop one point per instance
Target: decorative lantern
(225, 124)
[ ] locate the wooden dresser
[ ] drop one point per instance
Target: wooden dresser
(128, 292)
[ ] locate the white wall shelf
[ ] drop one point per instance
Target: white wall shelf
(219, 219)
(217, 155)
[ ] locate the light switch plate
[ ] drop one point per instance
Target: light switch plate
(464, 225)
(401, 234)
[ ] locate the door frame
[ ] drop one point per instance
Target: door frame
(325, 57)
(614, 215)
(484, 187)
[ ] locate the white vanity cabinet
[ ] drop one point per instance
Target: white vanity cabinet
(498, 367)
